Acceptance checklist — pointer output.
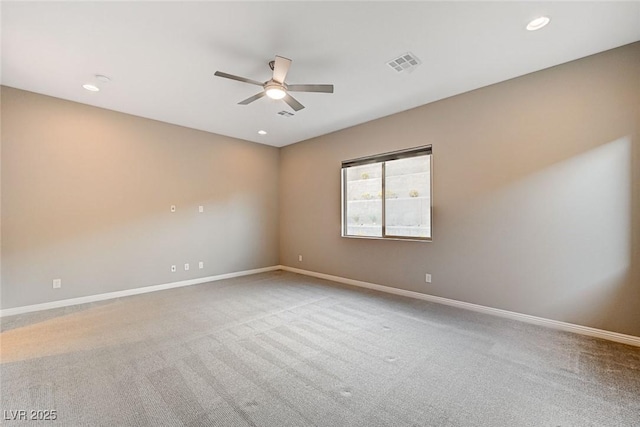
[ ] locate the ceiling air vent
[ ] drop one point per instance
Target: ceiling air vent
(285, 113)
(407, 62)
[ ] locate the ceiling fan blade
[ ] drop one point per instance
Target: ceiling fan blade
(311, 88)
(251, 99)
(293, 103)
(281, 68)
(240, 79)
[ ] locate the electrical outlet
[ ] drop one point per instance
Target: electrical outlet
(173, 208)
(427, 278)
(57, 283)
(201, 209)
(173, 269)
(186, 267)
(300, 258)
(201, 265)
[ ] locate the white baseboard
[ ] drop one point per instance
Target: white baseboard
(128, 292)
(554, 324)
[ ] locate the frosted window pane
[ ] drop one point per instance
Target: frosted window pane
(363, 187)
(407, 197)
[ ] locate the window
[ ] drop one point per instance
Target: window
(388, 195)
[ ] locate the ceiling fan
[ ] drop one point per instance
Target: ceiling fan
(276, 88)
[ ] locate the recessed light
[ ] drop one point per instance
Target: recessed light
(538, 23)
(90, 87)
(262, 132)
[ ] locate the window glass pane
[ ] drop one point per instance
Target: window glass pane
(408, 197)
(363, 200)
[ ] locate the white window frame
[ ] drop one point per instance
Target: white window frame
(383, 158)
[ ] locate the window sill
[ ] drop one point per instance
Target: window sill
(395, 238)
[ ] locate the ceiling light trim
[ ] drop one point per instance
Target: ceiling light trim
(538, 23)
(91, 87)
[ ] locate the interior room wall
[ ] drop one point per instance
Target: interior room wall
(86, 196)
(536, 196)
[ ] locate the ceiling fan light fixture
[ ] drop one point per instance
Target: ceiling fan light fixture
(275, 92)
(538, 23)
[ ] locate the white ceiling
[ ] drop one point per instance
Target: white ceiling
(161, 56)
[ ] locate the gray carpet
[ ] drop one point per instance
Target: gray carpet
(280, 349)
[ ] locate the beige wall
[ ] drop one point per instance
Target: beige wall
(86, 196)
(536, 196)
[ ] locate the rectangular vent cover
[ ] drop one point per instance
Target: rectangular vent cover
(285, 113)
(406, 62)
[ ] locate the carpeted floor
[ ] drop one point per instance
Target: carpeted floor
(280, 349)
